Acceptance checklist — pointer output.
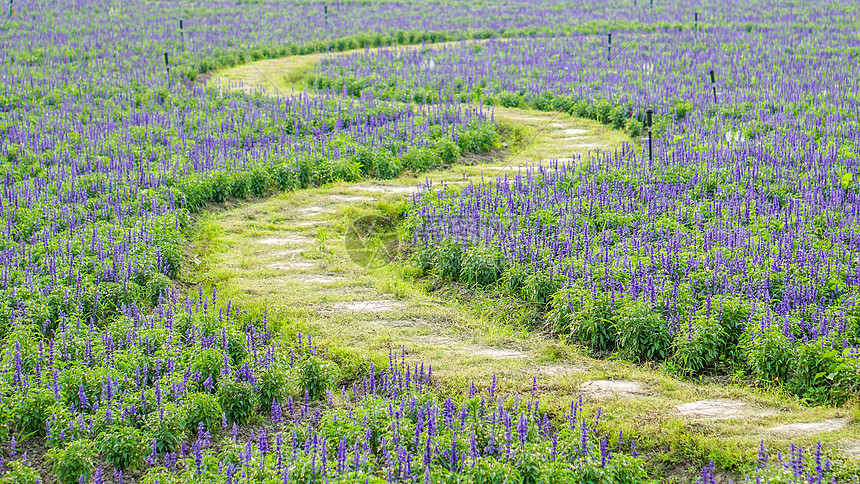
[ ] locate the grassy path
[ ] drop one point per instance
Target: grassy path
(287, 255)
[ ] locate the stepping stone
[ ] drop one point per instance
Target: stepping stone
(287, 240)
(472, 350)
(387, 188)
(722, 409)
(370, 306)
(805, 428)
(315, 209)
(292, 266)
(316, 279)
(558, 370)
(395, 323)
(852, 448)
(349, 198)
(609, 388)
(573, 132)
(498, 353)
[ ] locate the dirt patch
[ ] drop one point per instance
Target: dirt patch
(558, 370)
(806, 428)
(396, 323)
(289, 240)
(317, 279)
(370, 306)
(315, 209)
(498, 353)
(291, 253)
(349, 198)
(573, 132)
(387, 188)
(524, 117)
(587, 146)
(852, 448)
(722, 409)
(292, 266)
(544, 164)
(610, 388)
(472, 350)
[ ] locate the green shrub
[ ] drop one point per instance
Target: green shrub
(634, 127)
(209, 363)
(419, 159)
(699, 345)
(258, 181)
(539, 287)
(643, 333)
(449, 257)
(582, 316)
(73, 462)
(317, 376)
(478, 138)
(272, 385)
(124, 447)
(769, 355)
(201, 408)
(447, 150)
(167, 428)
(238, 400)
(31, 411)
(481, 265)
(514, 278)
(424, 259)
(20, 473)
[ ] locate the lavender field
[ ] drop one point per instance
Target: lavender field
(732, 252)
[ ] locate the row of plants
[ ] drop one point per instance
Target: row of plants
(716, 284)
(615, 83)
(199, 391)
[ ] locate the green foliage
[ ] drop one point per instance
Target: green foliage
(201, 408)
(449, 258)
(539, 287)
(643, 333)
(316, 377)
(699, 345)
(769, 355)
(446, 149)
(20, 473)
(124, 447)
(481, 265)
(209, 363)
(31, 412)
(238, 400)
(478, 138)
(167, 428)
(419, 158)
(581, 316)
(272, 385)
(73, 462)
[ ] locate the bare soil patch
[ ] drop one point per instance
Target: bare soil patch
(721, 409)
(370, 306)
(610, 388)
(292, 265)
(285, 240)
(807, 428)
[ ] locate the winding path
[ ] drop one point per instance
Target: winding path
(287, 255)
